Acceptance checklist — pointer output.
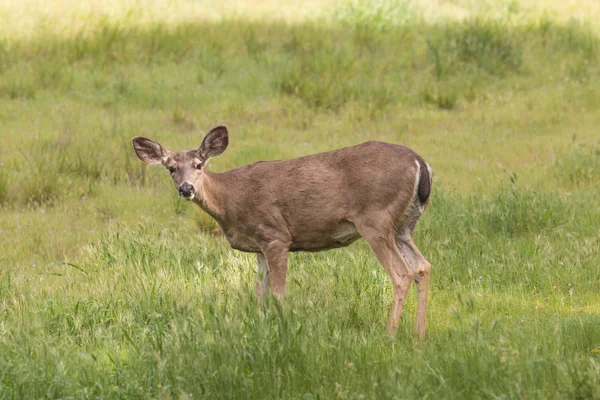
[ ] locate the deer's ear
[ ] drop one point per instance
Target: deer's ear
(149, 151)
(215, 142)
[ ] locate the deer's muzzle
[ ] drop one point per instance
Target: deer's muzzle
(186, 191)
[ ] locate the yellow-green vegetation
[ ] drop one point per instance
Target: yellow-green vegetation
(112, 287)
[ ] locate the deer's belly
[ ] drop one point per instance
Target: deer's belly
(340, 235)
(241, 242)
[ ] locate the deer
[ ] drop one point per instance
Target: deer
(374, 190)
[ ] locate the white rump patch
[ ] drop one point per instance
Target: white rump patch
(416, 188)
(430, 173)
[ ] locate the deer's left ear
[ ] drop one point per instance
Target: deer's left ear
(215, 142)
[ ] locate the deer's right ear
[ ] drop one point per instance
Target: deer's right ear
(149, 151)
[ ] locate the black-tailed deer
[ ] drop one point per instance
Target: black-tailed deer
(373, 190)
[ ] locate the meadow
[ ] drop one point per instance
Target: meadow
(113, 287)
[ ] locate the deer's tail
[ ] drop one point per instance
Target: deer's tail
(424, 184)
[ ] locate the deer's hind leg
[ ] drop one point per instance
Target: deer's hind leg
(388, 254)
(420, 268)
(262, 276)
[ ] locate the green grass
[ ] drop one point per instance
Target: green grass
(113, 287)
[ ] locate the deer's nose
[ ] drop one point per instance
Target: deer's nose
(186, 190)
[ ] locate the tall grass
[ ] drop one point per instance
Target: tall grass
(3, 186)
(145, 315)
(579, 168)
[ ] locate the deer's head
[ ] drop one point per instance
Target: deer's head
(186, 167)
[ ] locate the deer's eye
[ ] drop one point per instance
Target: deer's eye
(199, 166)
(171, 169)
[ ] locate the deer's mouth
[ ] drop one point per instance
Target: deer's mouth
(189, 197)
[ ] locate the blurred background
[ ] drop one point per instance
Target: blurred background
(482, 89)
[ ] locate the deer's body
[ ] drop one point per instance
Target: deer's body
(284, 196)
(375, 190)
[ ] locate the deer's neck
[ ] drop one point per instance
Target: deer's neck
(213, 195)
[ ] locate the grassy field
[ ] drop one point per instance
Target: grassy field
(113, 287)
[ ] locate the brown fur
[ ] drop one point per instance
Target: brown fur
(375, 190)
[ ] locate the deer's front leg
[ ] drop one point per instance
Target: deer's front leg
(262, 276)
(276, 255)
